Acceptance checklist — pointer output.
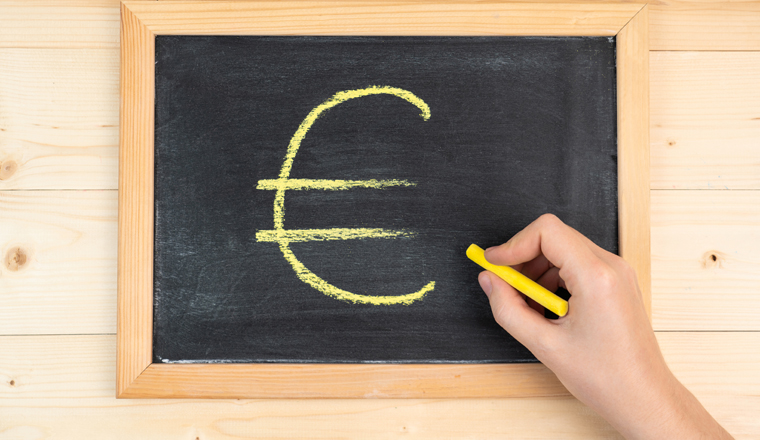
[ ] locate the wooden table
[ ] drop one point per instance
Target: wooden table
(59, 104)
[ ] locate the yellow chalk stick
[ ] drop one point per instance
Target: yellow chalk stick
(528, 287)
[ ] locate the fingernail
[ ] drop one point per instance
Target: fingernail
(485, 284)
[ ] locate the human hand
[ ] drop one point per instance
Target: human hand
(603, 350)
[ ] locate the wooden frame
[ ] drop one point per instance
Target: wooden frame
(141, 21)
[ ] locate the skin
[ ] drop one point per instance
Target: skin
(604, 350)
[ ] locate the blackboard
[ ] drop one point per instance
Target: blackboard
(517, 126)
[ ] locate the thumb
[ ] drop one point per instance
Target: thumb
(511, 312)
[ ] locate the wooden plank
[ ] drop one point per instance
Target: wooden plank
(59, 262)
(367, 17)
(705, 25)
(675, 25)
(64, 387)
(705, 260)
(705, 120)
(321, 419)
(59, 118)
(61, 367)
(59, 23)
(633, 148)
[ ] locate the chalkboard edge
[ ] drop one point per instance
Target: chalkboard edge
(137, 377)
(633, 151)
(345, 381)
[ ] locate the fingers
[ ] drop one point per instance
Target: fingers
(550, 279)
(546, 236)
(515, 315)
(536, 267)
(607, 257)
(534, 305)
(561, 245)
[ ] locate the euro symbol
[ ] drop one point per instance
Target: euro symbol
(284, 183)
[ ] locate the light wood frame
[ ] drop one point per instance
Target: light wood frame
(141, 21)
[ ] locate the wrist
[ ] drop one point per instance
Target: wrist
(637, 397)
(671, 411)
(689, 419)
(651, 407)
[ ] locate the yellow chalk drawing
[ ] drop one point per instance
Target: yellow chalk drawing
(335, 185)
(284, 237)
(301, 235)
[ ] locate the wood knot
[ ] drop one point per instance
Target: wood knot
(671, 142)
(7, 169)
(713, 259)
(15, 259)
(12, 383)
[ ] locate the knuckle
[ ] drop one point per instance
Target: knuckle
(605, 277)
(626, 271)
(551, 225)
(549, 221)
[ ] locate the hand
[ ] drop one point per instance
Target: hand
(604, 350)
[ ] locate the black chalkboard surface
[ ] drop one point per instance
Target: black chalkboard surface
(444, 141)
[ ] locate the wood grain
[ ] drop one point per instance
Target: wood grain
(59, 118)
(345, 381)
(381, 18)
(705, 25)
(59, 23)
(320, 419)
(59, 262)
(674, 25)
(63, 386)
(66, 368)
(633, 148)
(134, 322)
(705, 122)
(705, 260)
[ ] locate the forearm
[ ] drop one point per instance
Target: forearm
(690, 419)
(676, 414)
